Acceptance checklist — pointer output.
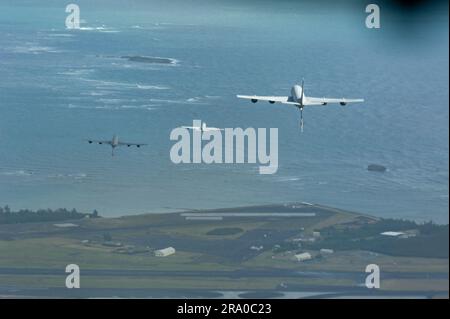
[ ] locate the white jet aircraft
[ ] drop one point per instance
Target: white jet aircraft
(115, 143)
(203, 128)
(299, 100)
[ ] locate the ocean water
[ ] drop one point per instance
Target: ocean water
(59, 87)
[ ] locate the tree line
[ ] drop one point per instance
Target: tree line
(8, 216)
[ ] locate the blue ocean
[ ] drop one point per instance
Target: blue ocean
(59, 87)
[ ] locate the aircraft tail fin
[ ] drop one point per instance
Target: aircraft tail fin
(303, 91)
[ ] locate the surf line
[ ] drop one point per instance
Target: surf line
(235, 146)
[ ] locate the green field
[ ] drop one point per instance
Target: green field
(235, 253)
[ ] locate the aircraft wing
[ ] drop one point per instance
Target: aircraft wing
(131, 144)
(99, 142)
(324, 101)
(271, 99)
(208, 129)
(213, 129)
(192, 128)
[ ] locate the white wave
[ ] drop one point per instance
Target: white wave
(110, 101)
(60, 35)
(76, 176)
(112, 84)
(108, 83)
(96, 93)
(148, 107)
(100, 28)
(288, 179)
(201, 99)
(110, 31)
(76, 106)
(34, 49)
(174, 61)
(86, 27)
(17, 173)
(175, 24)
(109, 107)
(116, 107)
(187, 101)
(152, 87)
(76, 72)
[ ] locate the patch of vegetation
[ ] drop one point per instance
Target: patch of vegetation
(431, 240)
(225, 231)
(7, 216)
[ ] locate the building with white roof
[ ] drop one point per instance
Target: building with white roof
(164, 252)
(302, 257)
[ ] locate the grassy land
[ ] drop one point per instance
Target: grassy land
(352, 261)
(57, 252)
(204, 246)
(166, 282)
(415, 284)
(202, 231)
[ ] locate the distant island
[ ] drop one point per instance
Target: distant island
(148, 59)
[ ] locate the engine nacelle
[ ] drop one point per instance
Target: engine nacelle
(254, 100)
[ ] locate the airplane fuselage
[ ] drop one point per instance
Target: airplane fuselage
(297, 94)
(115, 141)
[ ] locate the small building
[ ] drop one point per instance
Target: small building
(392, 233)
(164, 252)
(304, 239)
(303, 257)
(66, 225)
(325, 251)
(316, 234)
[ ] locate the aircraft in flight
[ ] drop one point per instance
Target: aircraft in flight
(299, 100)
(114, 142)
(202, 128)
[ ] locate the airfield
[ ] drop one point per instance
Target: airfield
(243, 252)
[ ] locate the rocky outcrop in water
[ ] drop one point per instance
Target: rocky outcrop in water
(376, 168)
(148, 59)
